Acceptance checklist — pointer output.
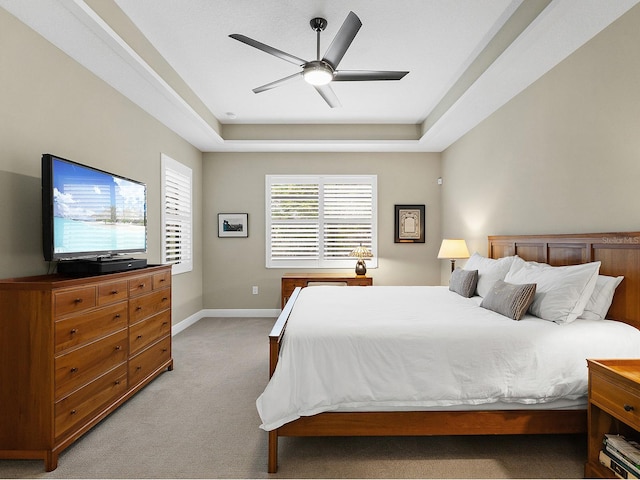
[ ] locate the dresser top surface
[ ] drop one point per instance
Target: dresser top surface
(58, 280)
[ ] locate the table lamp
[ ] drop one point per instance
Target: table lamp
(453, 249)
(361, 253)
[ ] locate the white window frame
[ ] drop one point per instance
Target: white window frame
(347, 262)
(177, 208)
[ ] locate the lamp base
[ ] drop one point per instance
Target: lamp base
(361, 268)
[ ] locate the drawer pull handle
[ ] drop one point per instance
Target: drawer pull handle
(73, 331)
(141, 285)
(162, 279)
(164, 350)
(117, 315)
(73, 412)
(77, 300)
(164, 299)
(628, 408)
(73, 369)
(138, 308)
(118, 347)
(117, 382)
(139, 336)
(138, 368)
(114, 292)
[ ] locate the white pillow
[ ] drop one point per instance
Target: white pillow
(489, 270)
(601, 298)
(561, 292)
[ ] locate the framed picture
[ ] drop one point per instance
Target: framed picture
(409, 224)
(233, 225)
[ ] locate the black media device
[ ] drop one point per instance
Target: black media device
(92, 220)
(97, 267)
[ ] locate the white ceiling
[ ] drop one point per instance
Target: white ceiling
(466, 58)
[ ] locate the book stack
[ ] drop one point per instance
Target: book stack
(621, 455)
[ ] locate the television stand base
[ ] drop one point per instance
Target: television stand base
(97, 267)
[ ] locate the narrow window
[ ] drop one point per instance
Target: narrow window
(177, 239)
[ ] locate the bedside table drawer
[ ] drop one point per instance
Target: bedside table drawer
(622, 401)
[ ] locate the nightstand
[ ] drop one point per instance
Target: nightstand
(614, 407)
(292, 280)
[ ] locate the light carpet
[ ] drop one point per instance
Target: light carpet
(200, 421)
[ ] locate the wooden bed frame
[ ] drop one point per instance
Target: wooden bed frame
(619, 254)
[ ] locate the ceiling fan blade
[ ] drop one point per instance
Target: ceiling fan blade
(342, 40)
(270, 50)
(364, 75)
(328, 94)
(277, 83)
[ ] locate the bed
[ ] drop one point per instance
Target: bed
(561, 411)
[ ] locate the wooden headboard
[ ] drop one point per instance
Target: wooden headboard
(618, 252)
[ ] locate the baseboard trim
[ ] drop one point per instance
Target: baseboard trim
(241, 312)
(221, 313)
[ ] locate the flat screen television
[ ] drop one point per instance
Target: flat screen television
(89, 213)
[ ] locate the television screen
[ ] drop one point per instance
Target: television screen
(90, 213)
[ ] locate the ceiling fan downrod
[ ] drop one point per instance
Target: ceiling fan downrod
(318, 24)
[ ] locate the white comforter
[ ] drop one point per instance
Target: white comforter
(373, 348)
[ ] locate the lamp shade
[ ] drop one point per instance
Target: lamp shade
(361, 252)
(453, 248)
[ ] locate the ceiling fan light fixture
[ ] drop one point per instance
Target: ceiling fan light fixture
(317, 73)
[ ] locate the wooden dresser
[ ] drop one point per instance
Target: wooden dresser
(74, 349)
(292, 280)
(614, 407)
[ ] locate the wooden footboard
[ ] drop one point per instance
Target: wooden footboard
(275, 336)
(275, 339)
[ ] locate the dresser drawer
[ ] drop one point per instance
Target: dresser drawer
(147, 305)
(82, 365)
(79, 329)
(361, 282)
(76, 300)
(113, 292)
(161, 280)
(140, 285)
(146, 362)
(621, 400)
(72, 411)
(148, 331)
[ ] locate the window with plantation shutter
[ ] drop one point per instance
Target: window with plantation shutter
(177, 241)
(316, 221)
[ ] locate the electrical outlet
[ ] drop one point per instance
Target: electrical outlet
(255, 290)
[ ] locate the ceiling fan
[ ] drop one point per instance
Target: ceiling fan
(319, 73)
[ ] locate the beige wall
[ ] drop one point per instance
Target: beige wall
(235, 183)
(562, 157)
(50, 104)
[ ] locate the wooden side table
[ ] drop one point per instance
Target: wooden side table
(614, 407)
(292, 280)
